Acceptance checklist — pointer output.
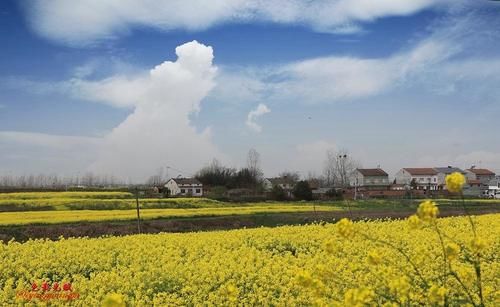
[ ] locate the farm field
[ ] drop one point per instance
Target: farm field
(57, 217)
(39, 208)
(319, 264)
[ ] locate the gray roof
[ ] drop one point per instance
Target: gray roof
(185, 181)
(448, 170)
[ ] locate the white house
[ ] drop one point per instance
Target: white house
(184, 187)
(422, 178)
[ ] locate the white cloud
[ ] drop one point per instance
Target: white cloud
(84, 21)
(158, 132)
(254, 114)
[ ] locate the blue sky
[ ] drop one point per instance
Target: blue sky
(398, 84)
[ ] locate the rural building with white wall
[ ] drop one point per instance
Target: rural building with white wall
(421, 178)
(184, 187)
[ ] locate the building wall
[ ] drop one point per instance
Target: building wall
(186, 190)
(173, 187)
(404, 177)
(373, 180)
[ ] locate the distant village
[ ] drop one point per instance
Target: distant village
(364, 183)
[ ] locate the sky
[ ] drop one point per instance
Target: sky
(127, 87)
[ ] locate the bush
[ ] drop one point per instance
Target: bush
(277, 193)
(302, 191)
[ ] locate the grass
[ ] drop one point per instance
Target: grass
(58, 217)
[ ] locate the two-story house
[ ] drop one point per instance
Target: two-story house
(184, 187)
(481, 174)
(371, 178)
(422, 178)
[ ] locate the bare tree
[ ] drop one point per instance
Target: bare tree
(329, 168)
(346, 168)
(253, 164)
(339, 168)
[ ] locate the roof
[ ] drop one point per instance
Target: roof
(421, 171)
(473, 181)
(372, 172)
(281, 180)
(186, 181)
(481, 171)
(448, 170)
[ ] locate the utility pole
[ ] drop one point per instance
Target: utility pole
(137, 206)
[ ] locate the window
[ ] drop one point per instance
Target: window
(183, 191)
(198, 191)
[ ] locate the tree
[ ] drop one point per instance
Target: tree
(216, 174)
(293, 177)
(302, 191)
(339, 168)
(329, 168)
(253, 164)
(277, 193)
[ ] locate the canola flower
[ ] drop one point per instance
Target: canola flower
(345, 227)
(455, 182)
(437, 295)
(452, 251)
(374, 258)
(359, 297)
(427, 211)
(400, 288)
(114, 300)
(478, 245)
(283, 266)
(414, 221)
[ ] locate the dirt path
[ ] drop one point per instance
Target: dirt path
(119, 228)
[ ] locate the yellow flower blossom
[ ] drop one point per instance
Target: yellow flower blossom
(437, 295)
(304, 279)
(427, 211)
(358, 297)
(374, 258)
(478, 245)
(114, 300)
(414, 221)
(452, 251)
(330, 246)
(345, 228)
(400, 288)
(455, 182)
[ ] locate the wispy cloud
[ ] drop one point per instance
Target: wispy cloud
(254, 115)
(87, 21)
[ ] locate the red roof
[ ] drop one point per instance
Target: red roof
(481, 171)
(473, 181)
(421, 171)
(372, 172)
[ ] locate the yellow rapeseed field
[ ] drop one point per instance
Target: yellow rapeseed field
(56, 217)
(344, 264)
(48, 195)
